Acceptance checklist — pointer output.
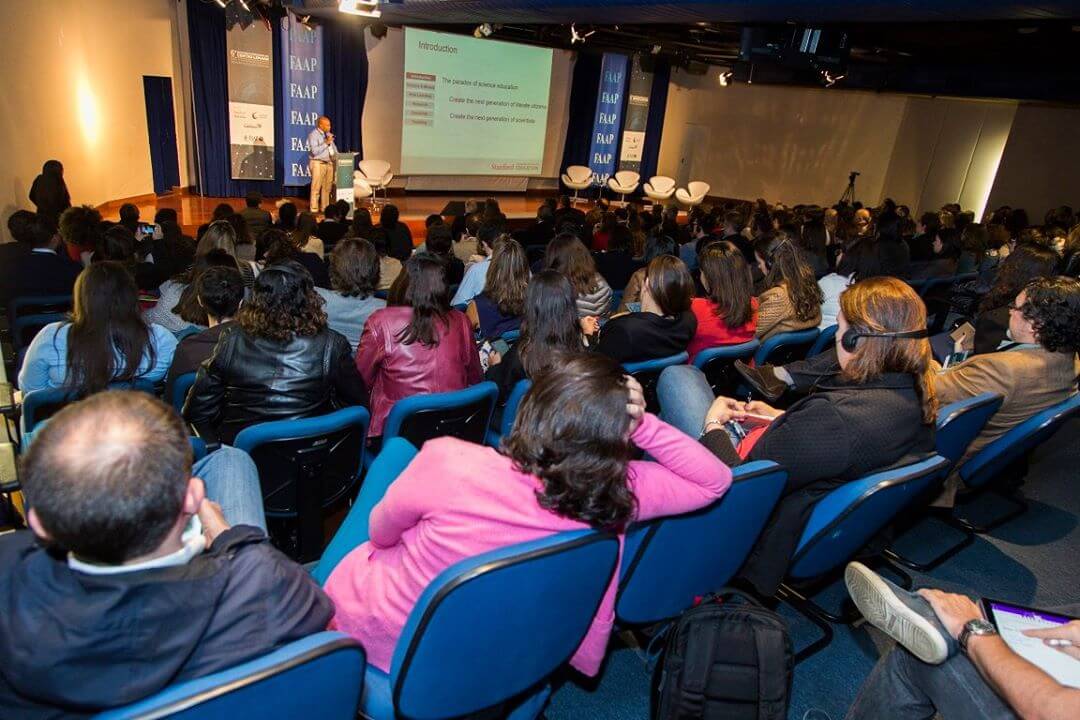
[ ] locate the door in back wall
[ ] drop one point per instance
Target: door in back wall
(161, 127)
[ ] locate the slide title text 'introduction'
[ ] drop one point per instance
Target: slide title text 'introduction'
(437, 48)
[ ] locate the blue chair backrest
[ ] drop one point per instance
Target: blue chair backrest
(718, 364)
(1017, 442)
(785, 347)
(320, 676)
(511, 336)
(513, 402)
(825, 338)
(958, 423)
(38, 304)
(198, 448)
(668, 562)
(305, 465)
(616, 300)
(847, 518)
(647, 372)
(395, 456)
(181, 385)
(25, 327)
(464, 414)
(42, 404)
(493, 626)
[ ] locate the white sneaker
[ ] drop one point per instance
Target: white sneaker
(897, 613)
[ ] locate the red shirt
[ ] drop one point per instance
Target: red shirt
(713, 331)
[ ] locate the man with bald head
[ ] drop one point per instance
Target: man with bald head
(130, 579)
(321, 153)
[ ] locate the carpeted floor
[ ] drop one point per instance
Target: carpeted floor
(1031, 560)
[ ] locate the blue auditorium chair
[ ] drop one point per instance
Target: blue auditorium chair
(25, 327)
(783, 348)
(320, 676)
(511, 336)
(198, 448)
(395, 456)
(647, 372)
(957, 425)
(304, 466)
(53, 305)
(513, 402)
(825, 338)
(616, 300)
(181, 385)
(40, 405)
(841, 525)
(668, 562)
(718, 364)
(1005, 458)
(490, 631)
(464, 414)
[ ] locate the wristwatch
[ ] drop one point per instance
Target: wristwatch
(974, 627)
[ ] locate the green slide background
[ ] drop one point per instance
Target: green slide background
(435, 143)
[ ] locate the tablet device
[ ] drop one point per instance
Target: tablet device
(1011, 620)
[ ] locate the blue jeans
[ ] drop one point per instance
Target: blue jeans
(685, 398)
(232, 481)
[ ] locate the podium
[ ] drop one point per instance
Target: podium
(344, 167)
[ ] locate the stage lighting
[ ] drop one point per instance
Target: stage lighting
(576, 37)
(363, 8)
(220, 2)
(725, 78)
(483, 30)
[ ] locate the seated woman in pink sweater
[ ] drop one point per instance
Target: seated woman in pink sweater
(566, 466)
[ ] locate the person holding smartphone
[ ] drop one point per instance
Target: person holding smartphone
(952, 661)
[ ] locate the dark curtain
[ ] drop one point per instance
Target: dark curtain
(345, 69)
(584, 88)
(654, 126)
(345, 78)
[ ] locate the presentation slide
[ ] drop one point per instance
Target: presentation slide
(473, 107)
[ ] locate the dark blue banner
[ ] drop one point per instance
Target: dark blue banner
(302, 82)
(608, 122)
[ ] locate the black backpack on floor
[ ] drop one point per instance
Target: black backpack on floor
(727, 658)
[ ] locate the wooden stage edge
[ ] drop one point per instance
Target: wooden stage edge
(194, 210)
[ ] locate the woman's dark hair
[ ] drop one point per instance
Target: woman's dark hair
(429, 297)
(361, 223)
(974, 239)
(306, 225)
(731, 285)
(439, 240)
(813, 238)
(569, 256)
(621, 239)
(106, 326)
(240, 227)
(188, 307)
(670, 284)
(388, 219)
(354, 268)
(117, 245)
(950, 243)
(283, 304)
(223, 211)
(280, 246)
(1026, 263)
(287, 216)
(786, 266)
(549, 325)
(571, 432)
(1052, 305)
(220, 290)
(220, 234)
(507, 278)
(860, 260)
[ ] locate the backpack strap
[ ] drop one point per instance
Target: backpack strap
(773, 672)
(697, 665)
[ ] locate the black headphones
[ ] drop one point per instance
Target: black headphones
(850, 339)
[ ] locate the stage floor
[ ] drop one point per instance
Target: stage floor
(194, 210)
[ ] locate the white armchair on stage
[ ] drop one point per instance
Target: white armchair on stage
(377, 174)
(361, 188)
(694, 194)
(578, 177)
(659, 188)
(624, 183)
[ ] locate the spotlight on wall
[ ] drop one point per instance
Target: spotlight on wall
(576, 37)
(725, 78)
(363, 8)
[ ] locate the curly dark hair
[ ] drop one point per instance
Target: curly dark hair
(1052, 305)
(81, 226)
(283, 304)
(571, 433)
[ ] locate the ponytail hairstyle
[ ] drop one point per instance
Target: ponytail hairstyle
(429, 297)
(787, 268)
(888, 305)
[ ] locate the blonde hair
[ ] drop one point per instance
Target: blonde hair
(885, 305)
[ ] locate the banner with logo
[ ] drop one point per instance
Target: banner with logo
(302, 79)
(637, 117)
(608, 120)
(249, 54)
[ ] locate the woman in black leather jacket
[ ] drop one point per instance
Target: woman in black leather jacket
(280, 361)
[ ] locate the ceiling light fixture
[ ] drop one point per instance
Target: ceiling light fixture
(576, 37)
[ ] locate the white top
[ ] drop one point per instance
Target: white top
(831, 286)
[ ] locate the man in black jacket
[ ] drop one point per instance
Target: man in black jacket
(119, 591)
(44, 270)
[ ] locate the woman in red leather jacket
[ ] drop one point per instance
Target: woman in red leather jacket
(421, 346)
